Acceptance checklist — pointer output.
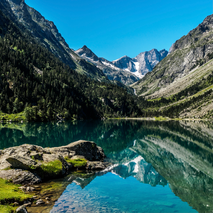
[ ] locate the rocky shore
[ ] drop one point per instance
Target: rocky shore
(29, 165)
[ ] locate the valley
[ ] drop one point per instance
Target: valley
(174, 84)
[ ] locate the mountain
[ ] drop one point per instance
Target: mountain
(181, 84)
(40, 87)
(186, 56)
(46, 33)
(110, 70)
(142, 63)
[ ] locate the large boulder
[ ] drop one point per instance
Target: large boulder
(18, 176)
(88, 149)
(21, 162)
(33, 164)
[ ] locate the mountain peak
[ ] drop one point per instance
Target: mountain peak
(85, 51)
(18, 2)
(144, 62)
(84, 47)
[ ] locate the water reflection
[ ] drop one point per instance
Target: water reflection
(154, 153)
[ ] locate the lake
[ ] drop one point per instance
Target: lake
(157, 166)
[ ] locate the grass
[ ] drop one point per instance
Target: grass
(52, 168)
(7, 209)
(161, 118)
(12, 117)
(81, 162)
(154, 99)
(10, 193)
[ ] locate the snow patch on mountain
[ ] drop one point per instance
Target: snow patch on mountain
(142, 63)
(110, 70)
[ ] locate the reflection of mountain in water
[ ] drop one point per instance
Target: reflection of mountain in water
(184, 163)
(152, 152)
(137, 167)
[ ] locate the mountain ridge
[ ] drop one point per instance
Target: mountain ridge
(181, 84)
(187, 53)
(112, 72)
(46, 33)
(143, 63)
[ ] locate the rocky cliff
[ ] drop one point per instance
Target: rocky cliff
(186, 58)
(142, 63)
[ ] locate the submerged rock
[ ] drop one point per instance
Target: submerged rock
(96, 165)
(39, 202)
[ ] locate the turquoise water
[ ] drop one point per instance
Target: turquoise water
(110, 193)
(157, 166)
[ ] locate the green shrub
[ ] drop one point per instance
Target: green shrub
(52, 168)
(81, 162)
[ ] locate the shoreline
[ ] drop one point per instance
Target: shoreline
(160, 119)
(32, 165)
(20, 118)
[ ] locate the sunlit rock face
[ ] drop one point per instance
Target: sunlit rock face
(44, 31)
(187, 54)
(113, 72)
(142, 63)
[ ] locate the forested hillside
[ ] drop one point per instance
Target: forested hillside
(37, 84)
(33, 80)
(46, 34)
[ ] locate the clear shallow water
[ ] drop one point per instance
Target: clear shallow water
(110, 193)
(158, 166)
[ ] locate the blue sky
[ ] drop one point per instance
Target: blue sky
(114, 28)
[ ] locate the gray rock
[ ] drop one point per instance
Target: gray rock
(28, 204)
(50, 157)
(21, 209)
(36, 156)
(185, 57)
(88, 149)
(19, 176)
(15, 204)
(142, 63)
(30, 189)
(78, 157)
(28, 171)
(66, 166)
(21, 162)
(39, 202)
(95, 165)
(113, 72)
(47, 34)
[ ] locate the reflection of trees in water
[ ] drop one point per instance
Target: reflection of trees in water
(187, 182)
(111, 135)
(191, 184)
(187, 166)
